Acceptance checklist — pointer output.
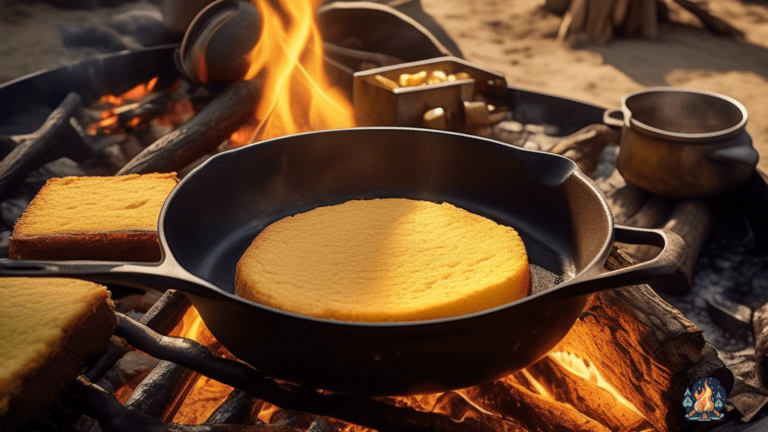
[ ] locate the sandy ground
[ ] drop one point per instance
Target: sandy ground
(516, 38)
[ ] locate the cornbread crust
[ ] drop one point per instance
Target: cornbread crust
(44, 378)
(384, 260)
(140, 246)
(114, 240)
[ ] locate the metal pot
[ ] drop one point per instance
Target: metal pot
(683, 143)
(215, 212)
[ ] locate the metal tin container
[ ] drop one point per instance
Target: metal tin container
(378, 105)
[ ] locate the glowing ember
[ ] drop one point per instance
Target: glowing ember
(297, 96)
(180, 112)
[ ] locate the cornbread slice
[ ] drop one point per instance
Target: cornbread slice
(384, 260)
(94, 218)
(49, 327)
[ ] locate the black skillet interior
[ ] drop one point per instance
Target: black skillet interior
(215, 213)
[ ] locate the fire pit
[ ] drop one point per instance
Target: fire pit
(626, 365)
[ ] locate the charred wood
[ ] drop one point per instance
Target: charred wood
(163, 391)
(201, 134)
(108, 411)
(39, 147)
(361, 411)
(237, 408)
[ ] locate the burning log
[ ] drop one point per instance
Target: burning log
(42, 146)
(201, 134)
(237, 408)
(509, 398)
(163, 391)
(640, 344)
(586, 396)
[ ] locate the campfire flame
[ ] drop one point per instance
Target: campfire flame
(288, 59)
(704, 399)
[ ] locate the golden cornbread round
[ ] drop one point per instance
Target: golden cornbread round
(384, 260)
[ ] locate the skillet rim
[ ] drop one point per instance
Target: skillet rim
(586, 273)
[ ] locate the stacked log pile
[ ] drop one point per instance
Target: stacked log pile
(602, 20)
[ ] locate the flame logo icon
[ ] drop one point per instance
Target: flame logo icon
(706, 402)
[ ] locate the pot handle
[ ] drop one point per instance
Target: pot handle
(614, 118)
(740, 153)
(670, 258)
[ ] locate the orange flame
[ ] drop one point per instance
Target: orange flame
(297, 96)
(704, 399)
(110, 103)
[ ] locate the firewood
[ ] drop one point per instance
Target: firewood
(654, 213)
(693, 221)
(40, 147)
(362, 411)
(237, 408)
(649, 27)
(640, 344)
(584, 146)
(599, 19)
(162, 318)
(634, 18)
(760, 326)
(201, 134)
(579, 15)
(508, 398)
(584, 395)
(620, 9)
(712, 23)
(162, 392)
(624, 199)
(710, 365)
(103, 406)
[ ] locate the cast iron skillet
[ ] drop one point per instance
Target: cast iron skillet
(216, 211)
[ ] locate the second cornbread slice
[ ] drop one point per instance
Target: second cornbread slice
(385, 260)
(94, 218)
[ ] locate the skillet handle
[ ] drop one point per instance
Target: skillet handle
(666, 264)
(156, 277)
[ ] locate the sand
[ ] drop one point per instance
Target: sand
(516, 38)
